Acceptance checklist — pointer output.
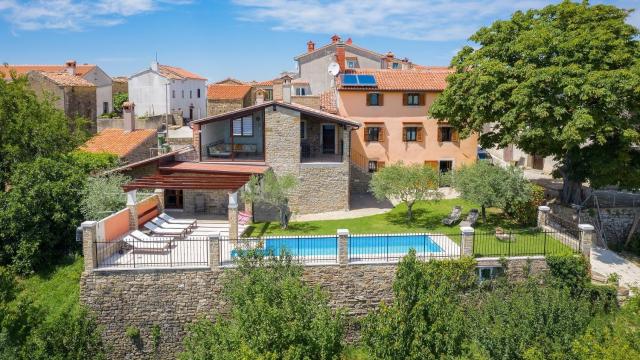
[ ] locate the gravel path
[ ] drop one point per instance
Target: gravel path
(606, 262)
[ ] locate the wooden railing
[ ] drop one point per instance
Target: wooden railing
(360, 160)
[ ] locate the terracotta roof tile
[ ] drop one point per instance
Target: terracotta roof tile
(24, 69)
(227, 92)
(118, 142)
(398, 80)
(328, 102)
(65, 79)
(262, 83)
(174, 72)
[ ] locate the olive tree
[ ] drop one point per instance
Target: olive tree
(407, 183)
(273, 190)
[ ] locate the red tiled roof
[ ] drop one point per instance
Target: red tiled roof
(328, 102)
(227, 92)
(117, 141)
(173, 72)
(66, 79)
(24, 69)
(120, 79)
(231, 81)
(262, 83)
(400, 80)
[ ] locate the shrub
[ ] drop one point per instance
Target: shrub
(569, 270)
(103, 195)
(274, 315)
(7, 285)
(526, 212)
(132, 332)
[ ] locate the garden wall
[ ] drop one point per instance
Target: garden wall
(174, 298)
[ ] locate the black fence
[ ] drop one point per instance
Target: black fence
(524, 243)
(152, 252)
(308, 249)
(377, 248)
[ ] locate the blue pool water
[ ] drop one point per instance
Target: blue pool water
(359, 246)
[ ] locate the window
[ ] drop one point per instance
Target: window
(173, 199)
(105, 107)
(445, 166)
(190, 94)
(374, 133)
(352, 64)
(303, 129)
(395, 65)
(300, 91)
(412, 99)
(373, 166)
(268, 94)
(447, 134)
(412, 133)
(198, 93)
(183, 94)
(374, 99)
(243, 126)
(173, 94)
(489, 273)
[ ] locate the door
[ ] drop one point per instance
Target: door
(507, 154)
(538, 162)
(190, 113)
(445, 166)
(328, 138)
(173, 199)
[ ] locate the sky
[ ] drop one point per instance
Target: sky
(243, 39)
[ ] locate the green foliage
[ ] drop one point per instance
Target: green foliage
(559, 81)
(119, 99)
(569, 270)
(274, 315)
(273, 190)
(7, 285)
(407, 183)
(39, 214)
(103, 195)
(90, 163)
(425, 320)
(525, 213)
(156, 336)
(32, 128)
(492, 186)
(132, 332)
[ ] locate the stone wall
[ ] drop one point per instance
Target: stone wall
(216, 201)
(359, 180)
(312, 101)
(172, 299)
(156, 122)
(616, 222)
(322, 188)
(215, 107)
(120, 87)
(143, 151)
(282, 140)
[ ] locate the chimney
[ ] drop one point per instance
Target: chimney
(311, 46)
(340, 55)
(286, 89)
(129, 116)
(70, 67)
(349, 41)
(277, 89)
(335, 39)
(259, 96)
(154, 66)
(389, 58)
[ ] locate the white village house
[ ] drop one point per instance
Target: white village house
(163, 89)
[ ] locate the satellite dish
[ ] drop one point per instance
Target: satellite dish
(334, 68)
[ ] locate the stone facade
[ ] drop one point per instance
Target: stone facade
(616, 222)
(142, 151)
(312, 101)
(173, 299)
(216, 201)
(359, 180)
(215, 107)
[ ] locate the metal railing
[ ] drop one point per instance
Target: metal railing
(532, 242)
(307, 249)
(155, 252)
(393, 247)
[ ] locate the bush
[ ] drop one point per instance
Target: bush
(119, 99)
(274, 315)
(569, 270)
(526, 212)
(7, 285)
(103, 195)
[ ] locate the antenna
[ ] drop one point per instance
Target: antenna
(334, 68)
(156, 56)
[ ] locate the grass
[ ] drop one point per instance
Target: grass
(427, 217)
(56, 290)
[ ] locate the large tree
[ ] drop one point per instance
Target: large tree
(562, 81)
(273, 190)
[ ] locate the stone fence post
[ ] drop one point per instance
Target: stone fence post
(160, 194)
(586, 239)
(214, 251)
(343, 246)
(543, 215)
(133, 211)
(89, 244)
(466, 240)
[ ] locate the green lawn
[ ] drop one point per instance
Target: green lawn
(427, 218)
(56, 290)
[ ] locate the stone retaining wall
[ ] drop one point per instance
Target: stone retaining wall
(172, 299)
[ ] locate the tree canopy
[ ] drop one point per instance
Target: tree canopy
(273, 190)
(560, 81)
(407, 183)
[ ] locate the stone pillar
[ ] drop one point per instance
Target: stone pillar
(466, 240)
(196, 140)
(343, 246)
(233, 216)
(89, 244)
(160, 194)
(248, 207)
(214, 251)
(133, 212)
(543, 214)
(586, 239)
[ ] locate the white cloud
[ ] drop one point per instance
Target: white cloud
(435, 20)
(76, 15)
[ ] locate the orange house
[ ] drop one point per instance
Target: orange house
(392, 106)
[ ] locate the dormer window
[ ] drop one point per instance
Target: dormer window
(300, 91)
(395, 65)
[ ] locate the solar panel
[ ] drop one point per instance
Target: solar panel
(349, 80)
(366, 80)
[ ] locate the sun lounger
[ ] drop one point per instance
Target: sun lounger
(453, 217)
(472, 218)
(171, 220)
(504, 236)
(140, 240)
(165, 225)
(162, 231)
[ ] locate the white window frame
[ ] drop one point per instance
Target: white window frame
(351, 64)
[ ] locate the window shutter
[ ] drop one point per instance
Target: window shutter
(405, 99)
(454, 135)
(380, 164)
(368, 99)
(422, 99)
(419, 131)
(380, 134)
(431, 163)
(366, 134)
(439, 134)
(404, 134)
(380, 99)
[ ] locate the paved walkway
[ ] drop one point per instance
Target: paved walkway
(606, 262)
